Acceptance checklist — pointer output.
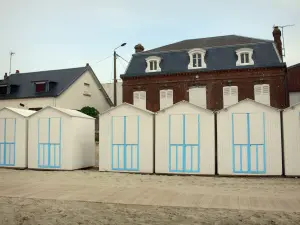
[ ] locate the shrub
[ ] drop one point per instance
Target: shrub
(90, 111)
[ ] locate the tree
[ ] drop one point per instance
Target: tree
(90, 111)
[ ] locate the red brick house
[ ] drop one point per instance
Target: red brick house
(210, 72)
(294, 83)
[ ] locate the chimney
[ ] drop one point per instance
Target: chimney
(5, 76)
(17, 71)
(277, 40)
(139, 48)
(87, 65)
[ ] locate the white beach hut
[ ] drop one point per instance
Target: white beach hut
(185, 140)
(249, 139)
(291, 136)
(126, 139)
(13, 137)
(61, 139)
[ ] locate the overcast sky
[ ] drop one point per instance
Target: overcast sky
(56, 34)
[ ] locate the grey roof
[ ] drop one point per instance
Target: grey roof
(208, 43)
(216, 58)
(61, 80)
(294, 66)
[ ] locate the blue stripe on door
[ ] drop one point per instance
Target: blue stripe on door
(8, 148)
(194, 148)
(128, 149)
(48, 150)
(240, 148)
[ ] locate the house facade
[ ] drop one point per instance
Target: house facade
(67, 88)
(109, 88)
(294, 84)
(211, 72)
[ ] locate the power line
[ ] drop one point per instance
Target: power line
(122, 58)
(104, 59)
(121, 64)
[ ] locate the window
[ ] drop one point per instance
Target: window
(197, 58)
(86, 91)
(3, 90)
(244, 57)
(139, 99)
(197, 96)
(153, 64)
(40, 87)
(86, 84)
(262, 93)
(230, 96)
(166, 98)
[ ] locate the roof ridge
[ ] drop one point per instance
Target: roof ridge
(42, 71)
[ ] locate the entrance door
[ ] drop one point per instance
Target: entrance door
(184, 143)
(7, 141)
(49, 143)
(248, 140)
(125, 143)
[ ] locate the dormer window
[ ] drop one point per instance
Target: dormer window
(244, 57)
(40, 87)
(153, 64)
(3, 89)
(197, 58)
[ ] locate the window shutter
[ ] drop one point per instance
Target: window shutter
(226, 96)
(197, 96)
(169, 98)
(139, 99)
(262, 93)
(136, 98)
(230, 95)
(162, 101)
(166, 98)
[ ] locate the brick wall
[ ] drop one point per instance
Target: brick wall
(214, 82)
(294, 78)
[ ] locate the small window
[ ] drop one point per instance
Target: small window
(230, 95)
(40, 87)
(244, 57)
(3, 89)
(86, 84)
(262, 93)
(153, 64)
(166, 98)
(197, 58)
(139, 99)
(197, 96)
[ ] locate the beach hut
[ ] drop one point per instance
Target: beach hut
(291, 137)
(61, 139)
(126, 139)
(13, 137)
(185, 140)
(249, 139)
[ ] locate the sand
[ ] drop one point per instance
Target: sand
(37, 205)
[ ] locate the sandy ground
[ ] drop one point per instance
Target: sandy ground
(32, 210)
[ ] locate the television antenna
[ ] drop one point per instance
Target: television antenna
(282, 27)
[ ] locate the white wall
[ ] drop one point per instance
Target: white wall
(206, 140)
(106, 132)
(109, 88)
(272, 139)
(20, 137)
(291, 130)
(66, 137)
(294, 98)
(74, 98)
(83, 151)
(28, 102)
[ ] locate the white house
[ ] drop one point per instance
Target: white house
(249, 139)
(14, 137)
(126, 140)
(68, 88)
(185, 140)
(109, 88)
(61, 139)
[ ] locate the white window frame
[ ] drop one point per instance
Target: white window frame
(233, 99)
(151, 59)
(242, 51)
(262, 97)
(200, 51)
(164, 103)
(138, 101)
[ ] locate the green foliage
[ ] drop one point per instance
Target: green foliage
(90, 111)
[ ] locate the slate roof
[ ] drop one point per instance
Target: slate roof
(220, 55)
(60, 80)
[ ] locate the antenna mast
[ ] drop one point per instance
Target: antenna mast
(11, 54)
(283, 48)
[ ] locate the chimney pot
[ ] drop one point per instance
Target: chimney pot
(5, 76)
(87, 65)
(17, 71)
(139, 48)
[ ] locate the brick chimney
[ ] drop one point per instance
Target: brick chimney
(277, 39)
(139, 48)
(5, 76)
(17, 71)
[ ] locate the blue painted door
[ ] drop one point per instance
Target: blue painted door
(184, 143)
(49, 142)
(7, 141)
(248, 140)
(125, 151)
